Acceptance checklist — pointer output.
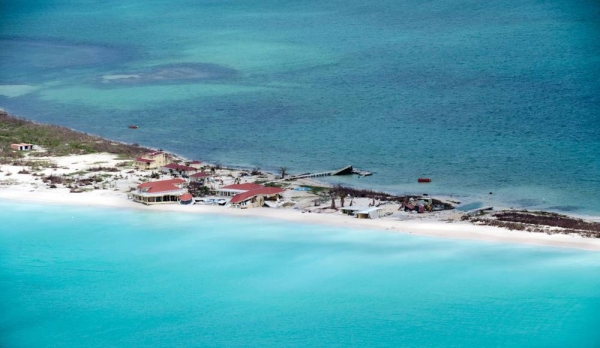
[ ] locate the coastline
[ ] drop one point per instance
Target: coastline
(426, 226)
(99, 179)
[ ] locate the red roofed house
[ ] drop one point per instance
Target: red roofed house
(195, 164)
(232, 190)
(157, 192)
(151, 160)
(255, 198)
(179, 169)
(21, 147)
(199, 177)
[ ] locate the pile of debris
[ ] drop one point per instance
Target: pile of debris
(537, 221)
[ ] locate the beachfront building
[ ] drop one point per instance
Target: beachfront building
(159, 192)
(151, 160)
(178, 169)
(256, 198)
(363, 213)
(232, 190)
(200, 177)
(195, 164)
(21, 147)
(351, 211)
(371, 213)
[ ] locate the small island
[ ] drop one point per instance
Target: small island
(50, 164)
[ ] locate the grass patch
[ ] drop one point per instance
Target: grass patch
(58, 141)
(315, 189)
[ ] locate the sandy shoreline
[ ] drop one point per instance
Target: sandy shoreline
(112, 193)
(427, 226)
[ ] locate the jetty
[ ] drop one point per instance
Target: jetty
(347, 170)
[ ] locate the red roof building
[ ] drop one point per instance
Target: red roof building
(256, 198)
(232, 190)
(163, 191)
(180, 169)
(186, 197)
(161, 186)
(199, 177)
(266, 191)
(195, 164)
(143, 160)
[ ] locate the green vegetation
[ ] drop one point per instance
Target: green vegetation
(274, 184)
(56, 140)
(315, 189)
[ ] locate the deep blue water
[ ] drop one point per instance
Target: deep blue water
(499, 96)
(89, 277)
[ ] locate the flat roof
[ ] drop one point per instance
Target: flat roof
(367, 211)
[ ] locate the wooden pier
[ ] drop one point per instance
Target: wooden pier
(347, 170)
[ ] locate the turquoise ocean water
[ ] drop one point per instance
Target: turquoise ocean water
(83, 277)
(496, 96)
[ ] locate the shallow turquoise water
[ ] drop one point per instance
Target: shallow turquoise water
(83, 277)
(499, 97)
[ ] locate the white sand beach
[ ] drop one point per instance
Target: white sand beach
(113, 194)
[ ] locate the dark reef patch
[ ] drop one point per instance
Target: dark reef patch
(527, 202)
(46, 53)
(564, 208)
(27, 60)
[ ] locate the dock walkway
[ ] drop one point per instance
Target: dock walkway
(347, 170)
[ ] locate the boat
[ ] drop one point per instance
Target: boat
(132, 126)
(423, 180)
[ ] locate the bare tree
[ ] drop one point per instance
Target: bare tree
(332, 194)
(340, 191)
(283, 172)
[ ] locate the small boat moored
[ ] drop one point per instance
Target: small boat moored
(132, 126)
(423, 180)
